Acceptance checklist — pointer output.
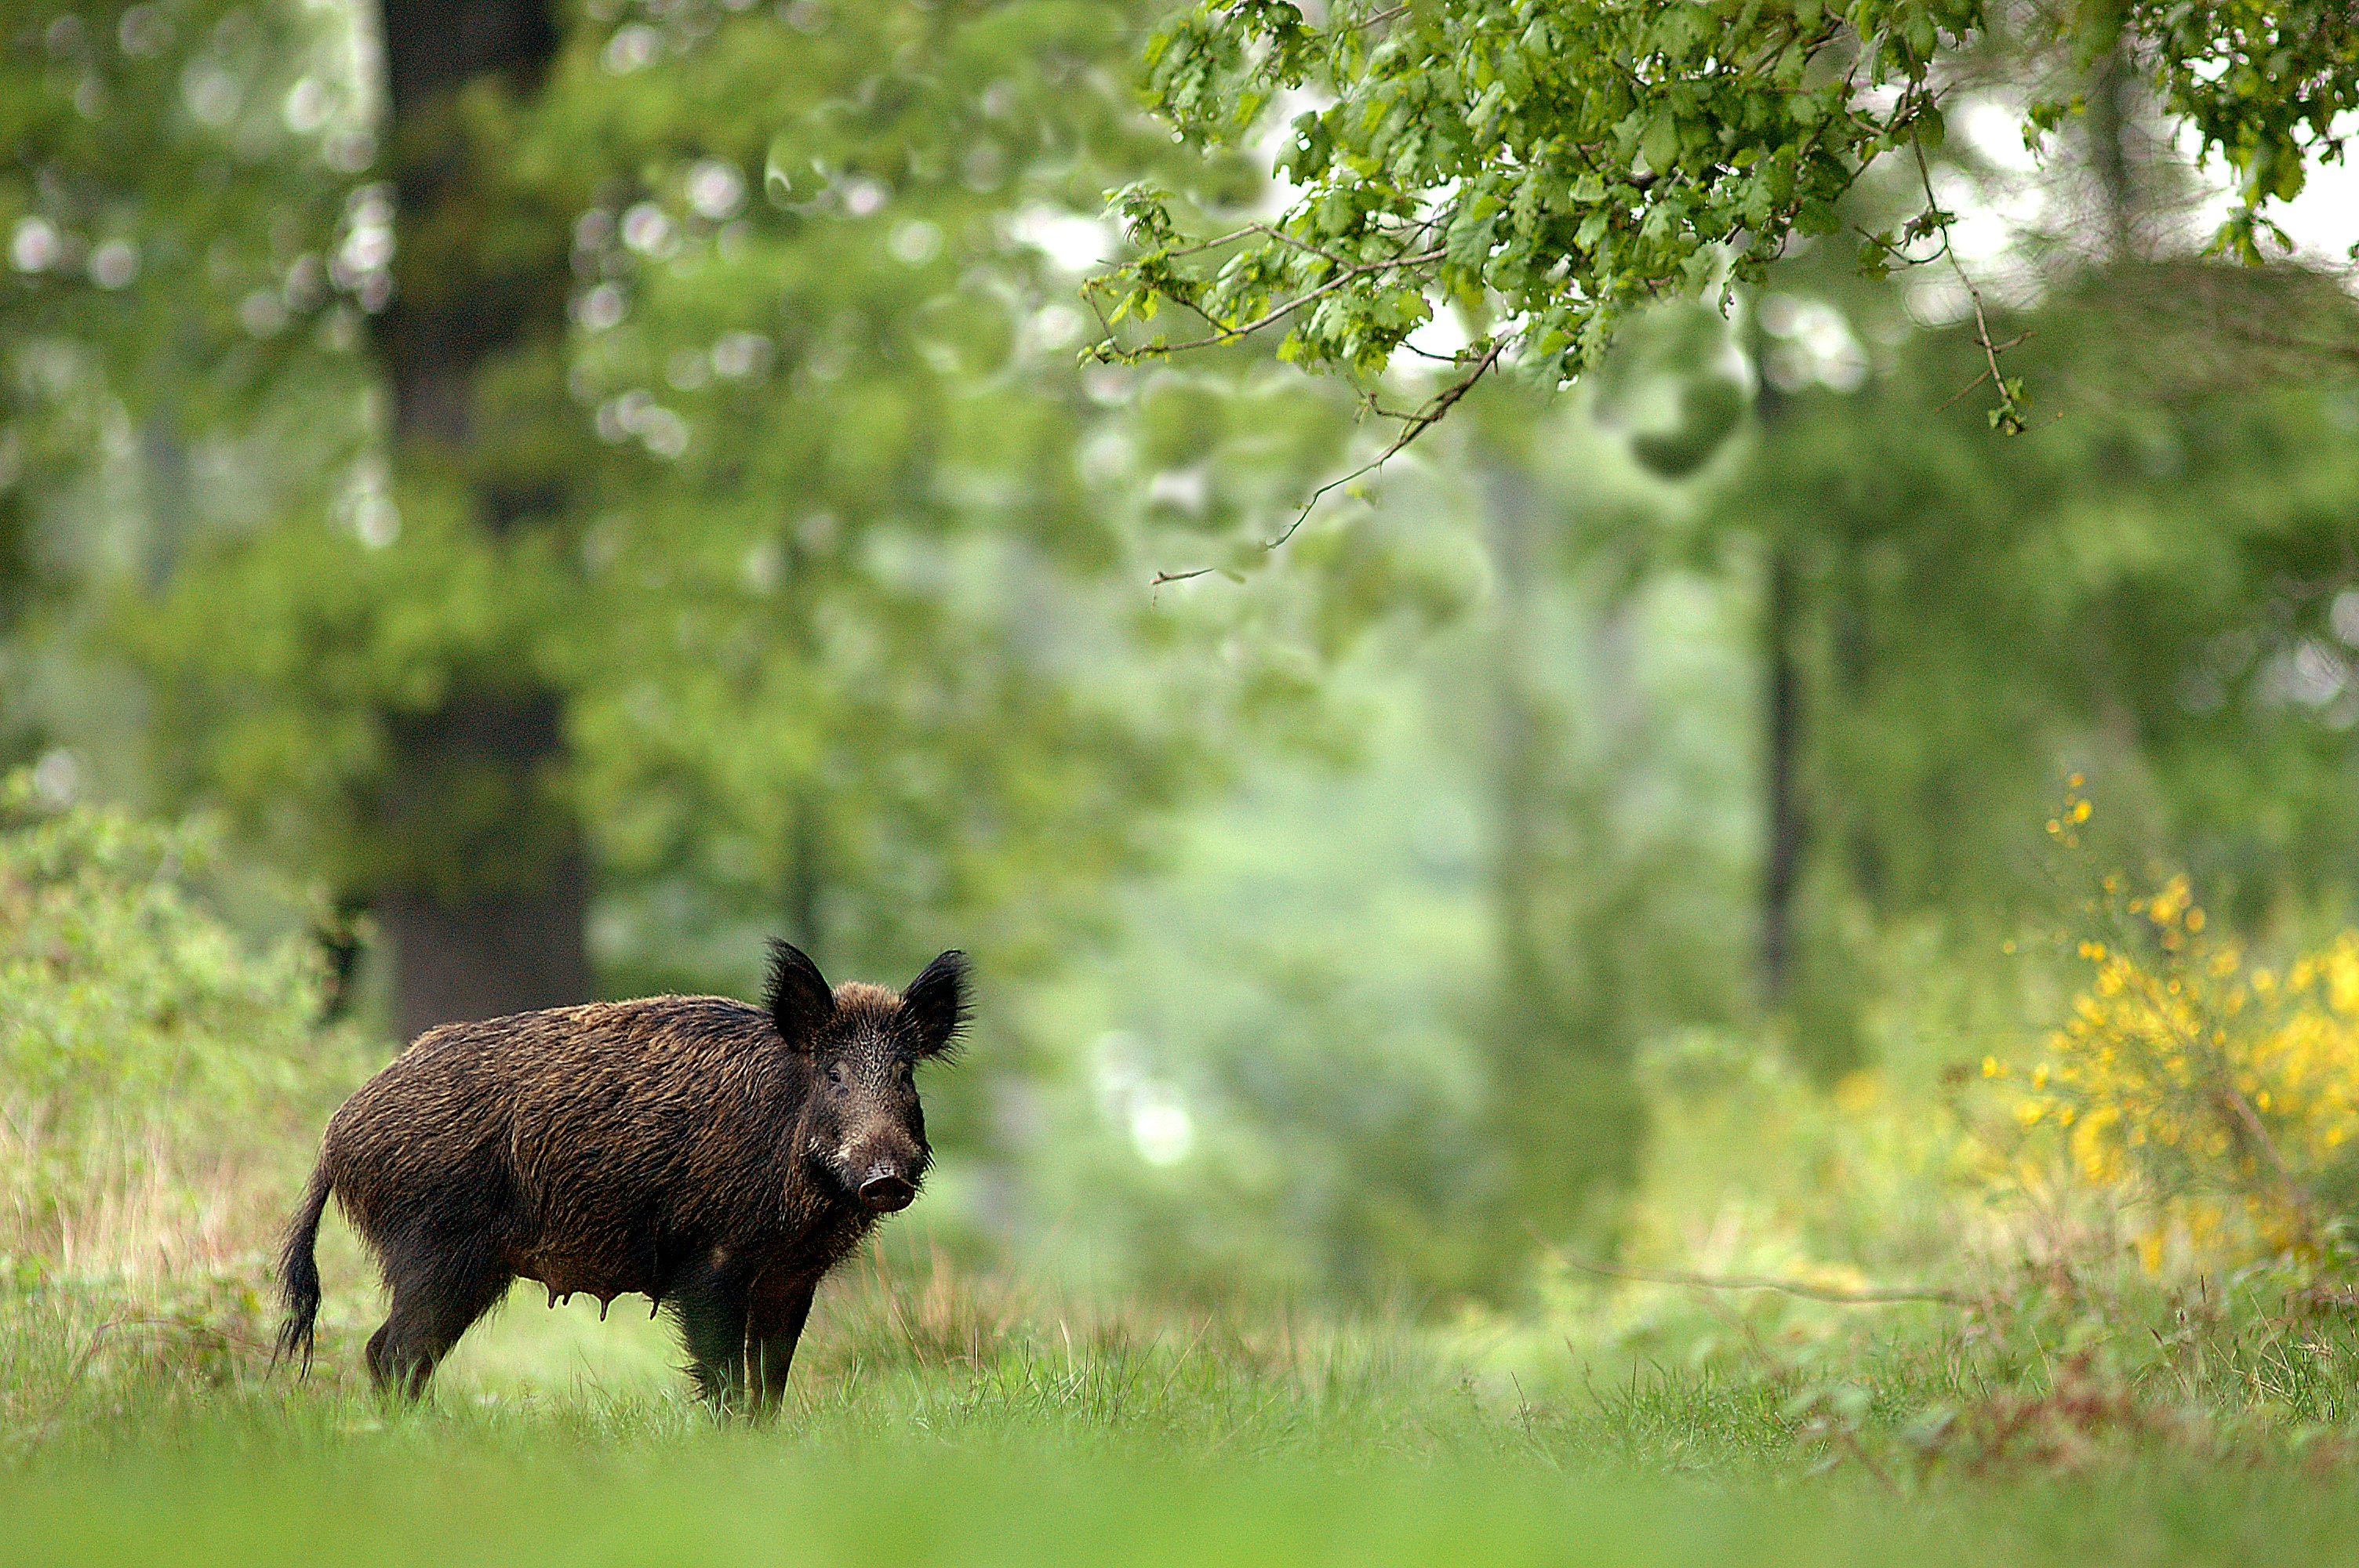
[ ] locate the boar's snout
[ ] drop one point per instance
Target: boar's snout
(885, 1190)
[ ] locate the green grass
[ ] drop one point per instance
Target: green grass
(935, 1420)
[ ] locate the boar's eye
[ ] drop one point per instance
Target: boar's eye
(835, 1071)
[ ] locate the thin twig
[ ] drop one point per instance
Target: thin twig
(2010, 417)
(1418, 422)
(1424, 419)
(1203, 245)
(1981, 376)
(1283, 238)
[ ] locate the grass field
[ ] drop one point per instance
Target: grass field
(941, 1419)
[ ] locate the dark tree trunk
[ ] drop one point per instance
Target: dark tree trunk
(498, 925)
(1782, 857)
(487, 914)
(2109, 127)
(489, 958)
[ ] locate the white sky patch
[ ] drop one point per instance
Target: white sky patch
(1150, 1109)
(1815, 344)
(1985, 230)
(1995, 129)
(2345, 616)
(1188, 489)
(1983, 238)
(1443, 334)
(2322, 221)
(1277, 139)
(1074, 243)
(1160, 1128)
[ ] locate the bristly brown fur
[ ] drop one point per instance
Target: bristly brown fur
(715, 1157)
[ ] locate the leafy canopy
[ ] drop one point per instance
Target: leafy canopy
(1549, 165)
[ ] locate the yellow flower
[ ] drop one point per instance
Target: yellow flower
(2160, 1066)
(1856, 1093)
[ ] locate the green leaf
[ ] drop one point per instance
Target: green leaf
(1660, 145)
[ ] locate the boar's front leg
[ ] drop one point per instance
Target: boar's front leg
(780, 1305)
(708, 1302)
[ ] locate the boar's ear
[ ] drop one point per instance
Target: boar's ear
(800, 1001)
(936, 1002)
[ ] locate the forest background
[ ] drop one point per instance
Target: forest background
(550, 500)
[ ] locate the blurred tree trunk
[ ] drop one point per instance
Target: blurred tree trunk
(1781, 731)
(2108, 128)
(1781, 858)
(802, 879)
(498, 926)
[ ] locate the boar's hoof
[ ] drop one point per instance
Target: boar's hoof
(887, 1194)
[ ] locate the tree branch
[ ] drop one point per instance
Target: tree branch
(1231, 334)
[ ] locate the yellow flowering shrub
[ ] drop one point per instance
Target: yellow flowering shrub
(2223, 1098)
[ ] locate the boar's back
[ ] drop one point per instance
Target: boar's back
(596, 1137)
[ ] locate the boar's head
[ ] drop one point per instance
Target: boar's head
(862, 1132)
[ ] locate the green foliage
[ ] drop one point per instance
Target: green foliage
(183, 241)
(177, 192)
(135, 1025)
(822, 612)
(1549, 167)
(2127, 591)
(1266, 1088)
(1686, 350)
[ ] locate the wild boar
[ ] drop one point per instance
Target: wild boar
(715, 1157)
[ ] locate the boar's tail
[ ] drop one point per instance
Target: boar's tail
(298, 1275)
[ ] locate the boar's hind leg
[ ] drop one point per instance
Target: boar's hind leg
(434, 1303)
(774, 1322)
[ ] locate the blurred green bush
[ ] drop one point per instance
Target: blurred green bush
(143, 1037)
